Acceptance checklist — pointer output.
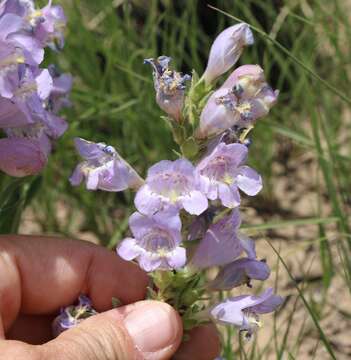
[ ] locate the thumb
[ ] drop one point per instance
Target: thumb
(148, 330)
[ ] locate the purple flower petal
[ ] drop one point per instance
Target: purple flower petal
(229, 196)
(248, 245)
(9, 23)
(220, 244)
(146, 201)
(92, 179)
(44, 84)
(77, 176)
(177, 258)
(22, 157)
(249, 181)
(128, 250)
(239, 272)
(196, 203)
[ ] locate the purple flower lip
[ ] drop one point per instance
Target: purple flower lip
(222, 173)
(226, 50)
(169, 86)
(243, 311)
(222, 244)
(103, 168)
(156, 241)
(171, 184)
(240, 272)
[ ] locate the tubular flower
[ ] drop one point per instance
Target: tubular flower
(171, 184)
(72, 315)
(45, 24)
(226, 50)
(243, 311)
(240, 272)
(222, 244)
(49, 29)
(223, 173)
(244, 97)
(156, 241)
(169, 86)
(26, 104)
(103, 168)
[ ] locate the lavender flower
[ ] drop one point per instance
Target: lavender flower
(49, 28)
(156, 241)
(223, 173)
(13, 34)
(243, 311)
(171, 184)
(73, 315)
(226, 50)
(103, 168)
(23, 156)
(240, 272)
(169, 86)
(244, 97)
(222, 244)
(26, 104)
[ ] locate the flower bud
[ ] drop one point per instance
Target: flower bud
(169, 86)
(226, 50)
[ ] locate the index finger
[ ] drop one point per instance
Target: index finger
(38, 275)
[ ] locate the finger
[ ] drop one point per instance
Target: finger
(203, 344)
(38, 275)
(32, 329)
(147, 330)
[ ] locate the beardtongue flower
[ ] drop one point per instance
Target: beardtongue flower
(222, 244)
(73, 315)
(226, 50)
(103, 168)
(223, 173)
(169, 86)
(243, 311)
(26, 104)
(240, 272)
(23, 156)
(49, 28)
(46, 24)
(171, 184)
(156, 241)
(243, 98)
(14, 34)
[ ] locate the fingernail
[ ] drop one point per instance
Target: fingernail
(153, 327)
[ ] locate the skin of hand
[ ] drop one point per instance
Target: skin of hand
(39, 275)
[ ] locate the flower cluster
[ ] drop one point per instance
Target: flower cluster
(30, 96)
(73, 315)
(187, 217)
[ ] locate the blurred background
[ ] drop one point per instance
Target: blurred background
(302, 149)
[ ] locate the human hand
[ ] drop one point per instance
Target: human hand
(38, 275)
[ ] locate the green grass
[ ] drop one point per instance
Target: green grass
(304, 48)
